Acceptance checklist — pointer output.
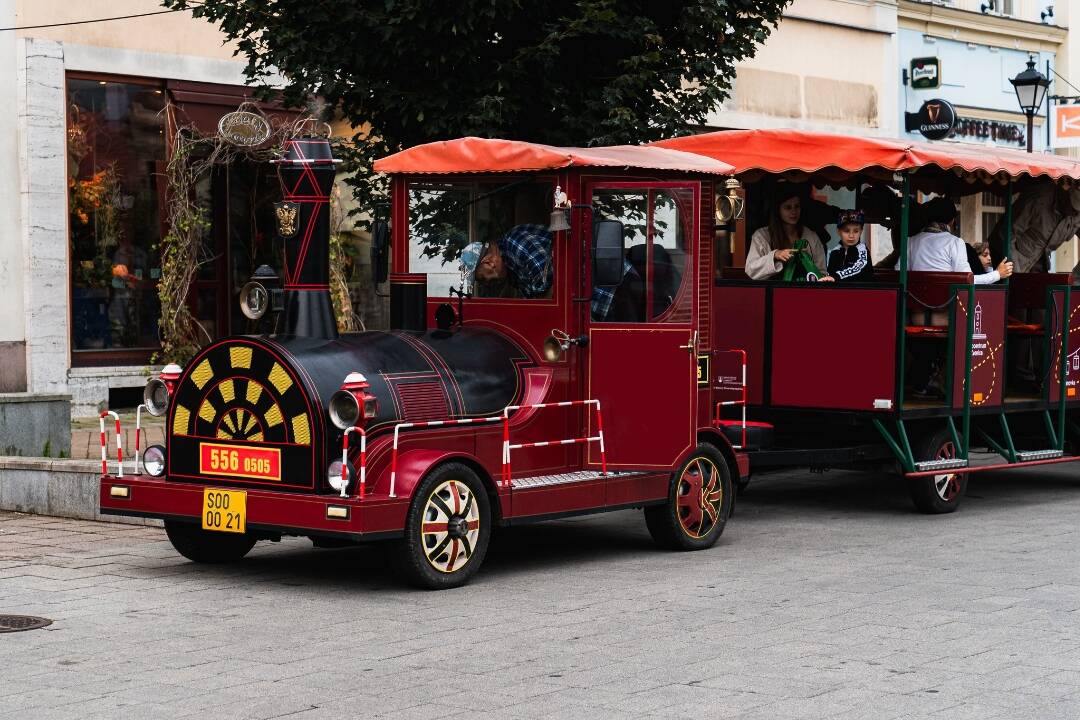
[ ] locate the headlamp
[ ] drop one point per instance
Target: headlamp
(157, 392)
(153, 460)
(353, 405)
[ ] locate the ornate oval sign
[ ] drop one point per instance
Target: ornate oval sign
(243, 128)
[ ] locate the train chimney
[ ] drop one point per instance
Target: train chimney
(306, 174)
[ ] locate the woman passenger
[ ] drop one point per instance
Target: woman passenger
(772, 246)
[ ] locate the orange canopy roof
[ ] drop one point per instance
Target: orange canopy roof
(781, 151)
(480, 155)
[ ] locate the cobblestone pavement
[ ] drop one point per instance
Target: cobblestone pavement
(827, 597)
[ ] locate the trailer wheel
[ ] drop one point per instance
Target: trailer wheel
(699, 503)
(936, 494)
(206, 546)
(447, 529)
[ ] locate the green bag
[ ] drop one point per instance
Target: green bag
(801, 268)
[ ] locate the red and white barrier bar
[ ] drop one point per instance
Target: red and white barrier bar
(424, 424)
(138, 432)
(741, 401)
(507, 446)
(345, 461)
(105, 445)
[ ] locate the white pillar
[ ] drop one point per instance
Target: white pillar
(12, 331)
(42, 150)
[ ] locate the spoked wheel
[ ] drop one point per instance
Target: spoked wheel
(207, 546)
(936, 494)
(698, 505)
(447, 529)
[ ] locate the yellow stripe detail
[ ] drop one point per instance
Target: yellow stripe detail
(250, 422)
(202, 374)
(229, 423)
(280, 379)
(207, 411)
(273, 416)
(228, 392)
(240, 357)
(254, 392)
(181, 420)
(257, 437)
(223, 435)
(300, 430)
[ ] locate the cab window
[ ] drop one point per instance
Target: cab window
(655, 233)
(487, 238)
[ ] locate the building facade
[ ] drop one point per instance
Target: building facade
(87, 126)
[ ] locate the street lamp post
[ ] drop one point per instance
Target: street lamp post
(1030, 88)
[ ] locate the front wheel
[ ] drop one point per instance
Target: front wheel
(937, 494)
(698, 505)
(447, 529)
(207, 546)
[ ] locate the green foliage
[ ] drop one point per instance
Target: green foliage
(587, 72)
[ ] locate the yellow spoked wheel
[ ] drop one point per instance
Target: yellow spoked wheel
(447, 529)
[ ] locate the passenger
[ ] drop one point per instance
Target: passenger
(517, 265)
(937, 249)
(850, 260)
(773, 246)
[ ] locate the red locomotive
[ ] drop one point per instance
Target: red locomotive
(550, 353)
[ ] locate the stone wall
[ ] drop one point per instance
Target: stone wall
(62, 488)
(35, 425)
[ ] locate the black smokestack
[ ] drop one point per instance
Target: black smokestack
(306, 174)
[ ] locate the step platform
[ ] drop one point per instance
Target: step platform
(525, 483)
(1029, 455)
(943, 464)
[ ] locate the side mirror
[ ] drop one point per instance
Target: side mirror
(609, 252)
(380, 250)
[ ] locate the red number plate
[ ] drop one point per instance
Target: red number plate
(240, 461)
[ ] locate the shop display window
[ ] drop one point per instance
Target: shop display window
(116, 152)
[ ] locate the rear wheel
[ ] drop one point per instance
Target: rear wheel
(206, 546)
(936, 494)
(698, 505)
(447, 529)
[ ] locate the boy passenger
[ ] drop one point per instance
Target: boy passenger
(850, 261)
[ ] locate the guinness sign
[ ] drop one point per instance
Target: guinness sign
(936, 119)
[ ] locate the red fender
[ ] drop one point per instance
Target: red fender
(738, 462)
(414, 464)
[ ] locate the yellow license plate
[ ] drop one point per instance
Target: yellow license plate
(224, 510)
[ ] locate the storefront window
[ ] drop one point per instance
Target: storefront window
(116, 152)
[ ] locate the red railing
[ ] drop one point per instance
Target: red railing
(345, 462)
(742, 399)
(105, 445)
(507, 446)
(422, 424)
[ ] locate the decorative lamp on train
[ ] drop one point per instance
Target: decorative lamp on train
(263, 292)
(353, 405)
(157, 392)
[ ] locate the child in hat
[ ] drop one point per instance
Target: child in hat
(850, 260)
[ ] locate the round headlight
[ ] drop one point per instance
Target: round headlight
(153, 460)
(333, 476)
(344, 410)
(156, 397)
(254, 300)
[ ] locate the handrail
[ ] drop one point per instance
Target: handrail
(507, 446)
(742, 401)
(105, 444)
(138, 431)
(345, 461)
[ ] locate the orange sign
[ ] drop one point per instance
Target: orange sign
(240, 461)
(1065, 131)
